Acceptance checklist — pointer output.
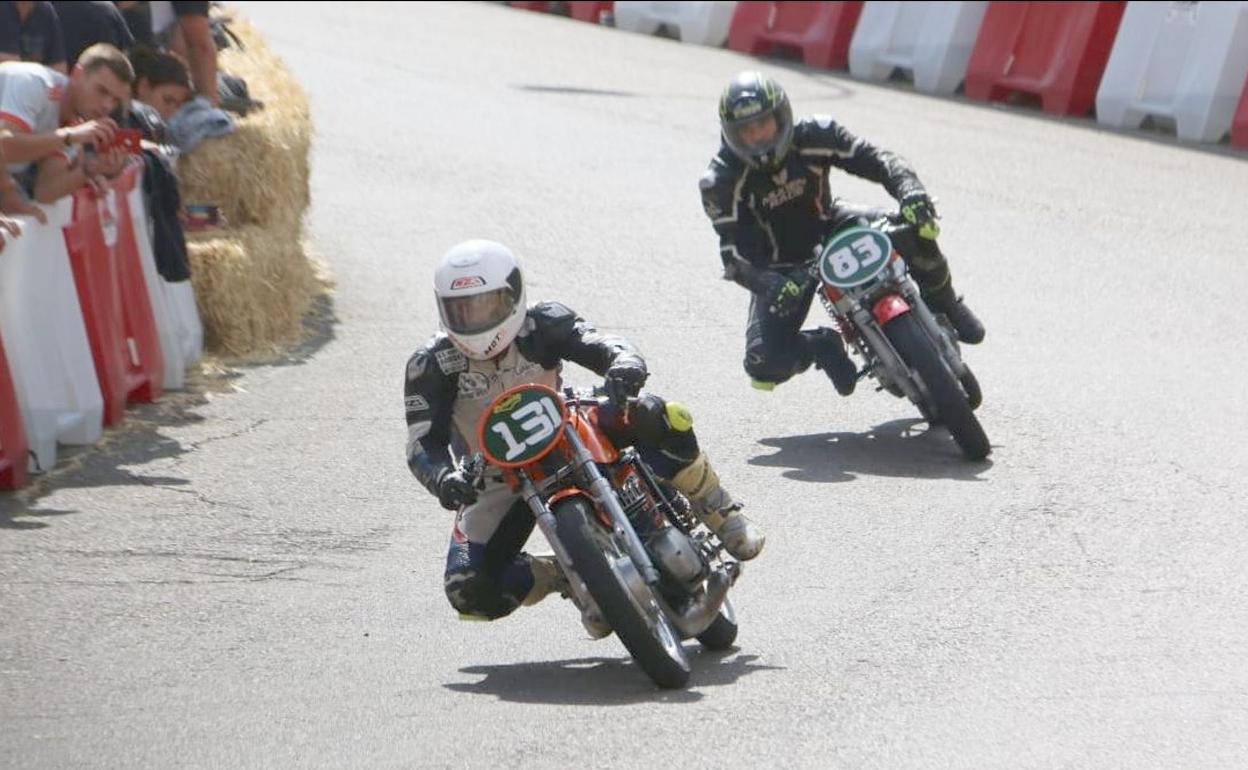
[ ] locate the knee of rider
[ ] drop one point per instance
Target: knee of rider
(666, 423)
(765, 368)
(471, 592)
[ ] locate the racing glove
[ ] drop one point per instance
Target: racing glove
(624, 380)
(781, 294)
(454, 490)
(917, 209)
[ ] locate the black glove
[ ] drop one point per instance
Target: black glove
(624, 380)
(917, 209)
(781, 294)
(454, 490)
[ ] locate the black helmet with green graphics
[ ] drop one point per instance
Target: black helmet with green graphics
(756, 120)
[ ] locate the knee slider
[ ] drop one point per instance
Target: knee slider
(474, 593)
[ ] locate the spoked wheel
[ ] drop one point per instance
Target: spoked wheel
(625, 600)
(953, 408)
(722, 631)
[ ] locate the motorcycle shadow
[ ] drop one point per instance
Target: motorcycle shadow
(604, 681)
(901, 448)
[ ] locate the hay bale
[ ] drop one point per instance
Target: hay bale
(253, 279)
(258, 174)
(253, 286)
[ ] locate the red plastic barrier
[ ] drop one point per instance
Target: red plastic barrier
(1056, 50)
(1239, 128)
(527, 6)
(820, 31)
(588, 11)
(12, 433)
(115, 305)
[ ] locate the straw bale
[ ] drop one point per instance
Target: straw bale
(259, 173)
(253, 279)
(253, 287)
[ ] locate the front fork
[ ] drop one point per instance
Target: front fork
(602, 493)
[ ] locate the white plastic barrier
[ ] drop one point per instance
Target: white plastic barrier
(704, 23)
(46, 339)
(931, 40)
(1182, 61)
(178, 327)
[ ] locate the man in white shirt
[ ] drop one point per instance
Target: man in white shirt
(59, 126)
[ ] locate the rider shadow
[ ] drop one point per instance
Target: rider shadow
(603, 681)
(894, 449)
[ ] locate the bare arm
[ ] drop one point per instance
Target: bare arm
(58, 177)
(19, 146)
(202, 52)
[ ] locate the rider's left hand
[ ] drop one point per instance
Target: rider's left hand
(917, 209)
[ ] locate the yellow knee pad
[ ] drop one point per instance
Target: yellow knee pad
(678, 417)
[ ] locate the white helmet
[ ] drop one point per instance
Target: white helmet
(480, 297)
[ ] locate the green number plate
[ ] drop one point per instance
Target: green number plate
(521, 425)
(854, 257)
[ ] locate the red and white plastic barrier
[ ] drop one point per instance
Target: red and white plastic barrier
(66, 371)
(933, 41)
(821, 32)
(113, 294)
(1186, 62)
(13, 444)
(173, 304)
(46, 340)
(704, 23)
(591, 11)
(1055, 50)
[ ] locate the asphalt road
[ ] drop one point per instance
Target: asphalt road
(248, 577)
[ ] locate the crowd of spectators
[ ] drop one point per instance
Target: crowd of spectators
(87, 88)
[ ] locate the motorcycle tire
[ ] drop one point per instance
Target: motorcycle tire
(974, 396)
(645, 631)
(722, 631)
(952, 406)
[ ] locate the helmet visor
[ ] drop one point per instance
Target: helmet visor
(761, 139)
(478, 312)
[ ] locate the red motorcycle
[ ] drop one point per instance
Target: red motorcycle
(634, 555)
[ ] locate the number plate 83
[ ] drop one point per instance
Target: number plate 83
(522, 425)
(854, 257)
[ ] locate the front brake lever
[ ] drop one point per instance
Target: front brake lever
(474, 470)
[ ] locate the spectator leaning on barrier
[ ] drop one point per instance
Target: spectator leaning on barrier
(30, 31)
(83, 24)
(161, 81)
(60, 125)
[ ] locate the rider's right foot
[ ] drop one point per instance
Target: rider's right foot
(827, 350)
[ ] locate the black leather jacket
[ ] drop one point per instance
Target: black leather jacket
(772, 220)
(438, 374)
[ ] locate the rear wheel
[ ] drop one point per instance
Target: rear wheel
(626, 602)
(952, 407)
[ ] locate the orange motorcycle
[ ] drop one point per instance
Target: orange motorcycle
(633, 554)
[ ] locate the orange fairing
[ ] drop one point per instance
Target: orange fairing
(585, 421)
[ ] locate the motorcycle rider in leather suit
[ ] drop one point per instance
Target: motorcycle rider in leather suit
(767, 195)
(491, 342)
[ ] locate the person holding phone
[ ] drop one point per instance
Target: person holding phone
(50, 120)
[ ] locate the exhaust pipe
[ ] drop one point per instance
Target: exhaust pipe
(701, 613)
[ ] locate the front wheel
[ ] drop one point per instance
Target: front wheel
(951, 405)
(630, 608)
